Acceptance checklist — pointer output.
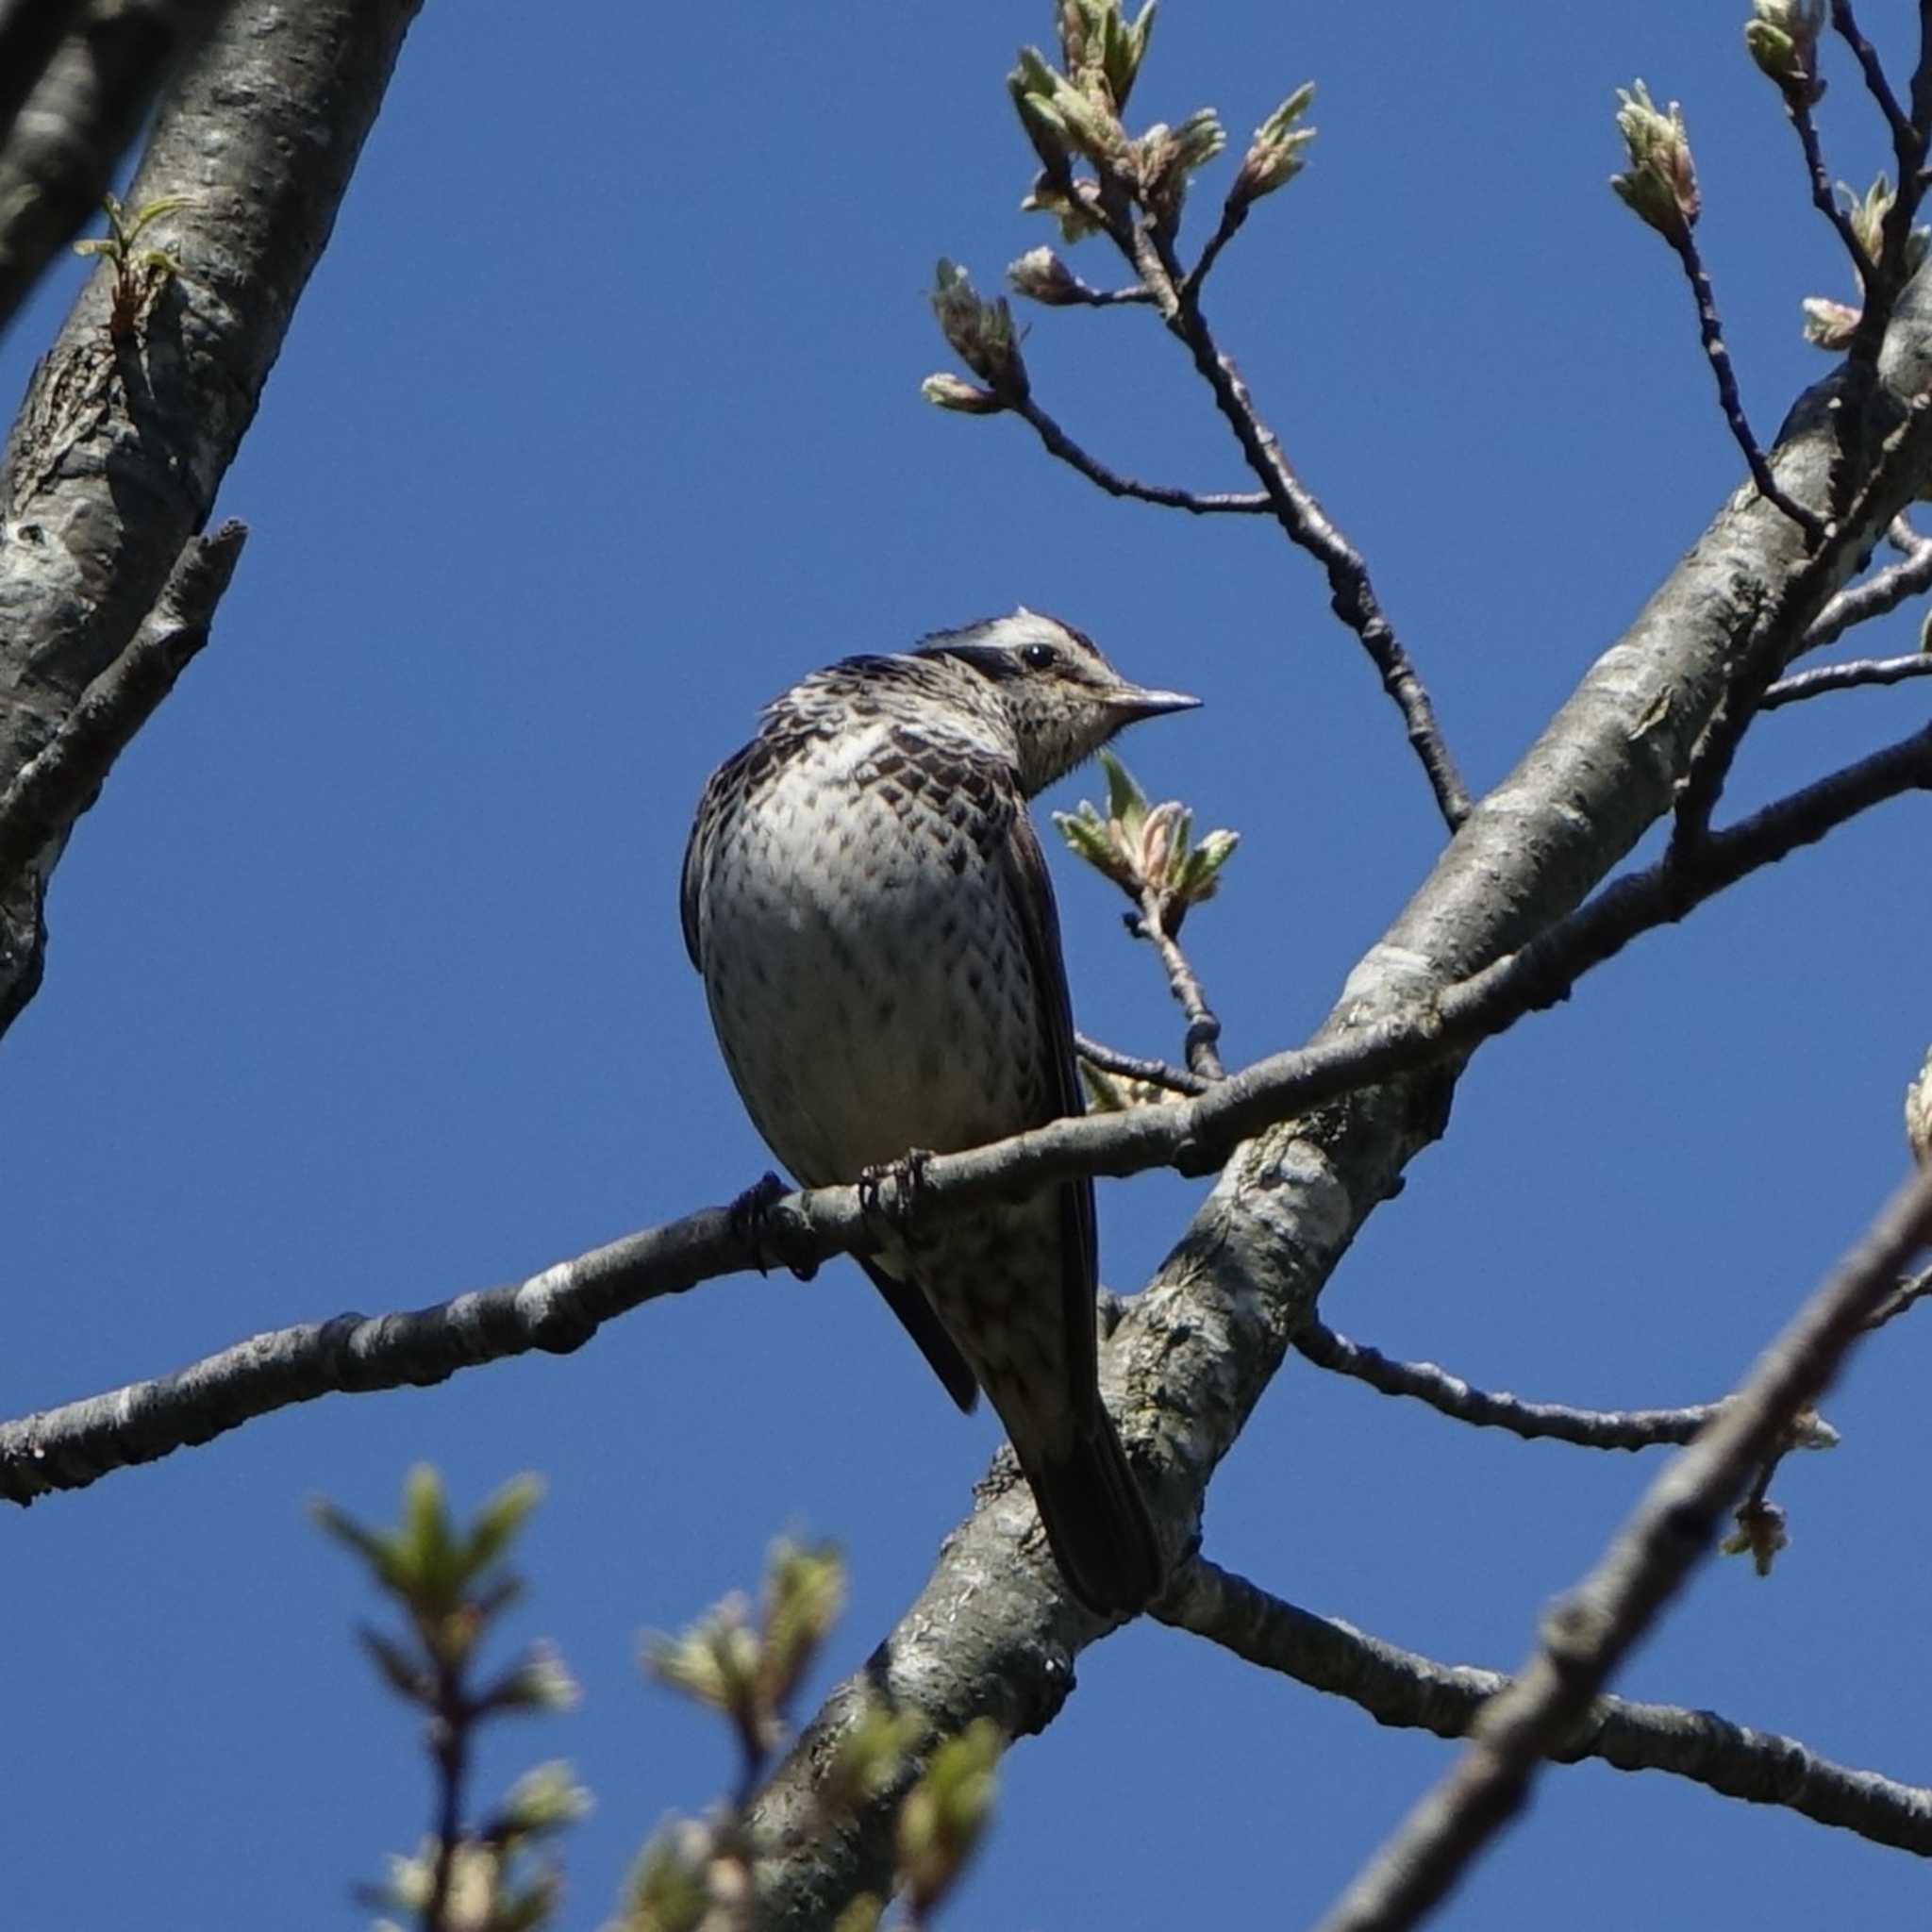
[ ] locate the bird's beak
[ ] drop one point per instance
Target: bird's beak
(1133, 703)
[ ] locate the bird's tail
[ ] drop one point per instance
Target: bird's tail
(1097, 1522)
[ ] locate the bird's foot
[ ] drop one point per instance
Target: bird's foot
(773, 1238)
(889, 1193)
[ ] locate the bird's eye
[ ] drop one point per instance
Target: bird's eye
(1040, 656)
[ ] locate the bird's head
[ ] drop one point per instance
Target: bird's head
(1064, 699)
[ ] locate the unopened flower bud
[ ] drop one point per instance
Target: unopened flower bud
(1782, 36)
(1275, 155)
(1829, 324)
(1042, 276)
(1660, 186)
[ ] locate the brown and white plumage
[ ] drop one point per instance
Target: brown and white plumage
(869, 906)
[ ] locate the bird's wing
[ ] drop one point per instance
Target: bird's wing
(1023, 865)
(908, 1301)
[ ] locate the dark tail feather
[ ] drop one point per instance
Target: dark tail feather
(1098, 1524)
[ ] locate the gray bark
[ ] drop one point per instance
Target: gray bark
(121, 445)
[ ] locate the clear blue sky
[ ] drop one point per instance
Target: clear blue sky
(598, 426)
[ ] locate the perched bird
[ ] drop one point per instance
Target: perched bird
(867, 901)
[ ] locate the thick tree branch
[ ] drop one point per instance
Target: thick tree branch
(1400, 1687)
(1589, 1428)
(88, 75)
(559, 1310)
(121, 445)
(1589, 1633)
(56, 787)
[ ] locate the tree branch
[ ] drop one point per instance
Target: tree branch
(1306, 525)
(1131, 1066)
(559, 1310)
(1589, 1428)
(67, 121)
(1589, 1634)
(121, 444)
(1060, 445)
(1402, 1688)
(1882, 592)
(55, 788)
(1851, 676)
(1203, 1029)
(1711, 333)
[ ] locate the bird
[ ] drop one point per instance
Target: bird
(866, 899)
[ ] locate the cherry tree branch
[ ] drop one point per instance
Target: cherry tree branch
(1587, 1635)
(1589, 1428)
(56, 786)
(75, 84)
(1404, 1689)
(1199, 503)
(1850, 676)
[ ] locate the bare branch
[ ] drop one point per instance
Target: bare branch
(1063, 446)
(1403, 1687)
(1306, 525)
(1907, 1295)
(1587, 1636)
(1203, 1029)
(56, 787)
(122, 441)
(68, 122)
(1903, 133)
(1685, 245)
(69, 1447)
(1823, 197)
(1589, 1428)
(1882, 592)
(1131, 1066)
(1352, 593)
(1851, 676)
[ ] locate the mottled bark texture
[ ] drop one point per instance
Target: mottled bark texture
(122, 441)
(991, 1634)
(75, 83)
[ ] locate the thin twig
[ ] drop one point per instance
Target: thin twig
(1204, 1028)
(1306, 525)
(449, 1748)
(1403, 1687)
(1684, 244)
(1233, 214)
(1883, 590)
(1201, 502)
(1851, 676)
(1903, 133)
(559, 1310)
(54, 787)
(1823, 198)
(1908, 1293)
(1133, 1067)
(1588, 1634)
(1909, 137)
(1589, 1428)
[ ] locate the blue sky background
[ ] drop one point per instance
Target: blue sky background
(598, 426)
